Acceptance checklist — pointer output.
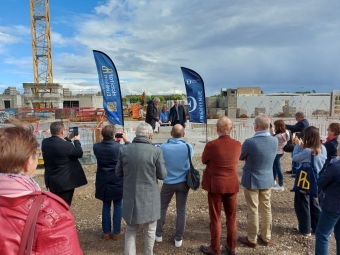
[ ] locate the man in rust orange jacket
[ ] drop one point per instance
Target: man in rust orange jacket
(220, 179)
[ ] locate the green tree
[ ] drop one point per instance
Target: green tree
(135, 99)
(176, 96)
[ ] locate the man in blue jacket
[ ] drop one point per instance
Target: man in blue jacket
(258, 153)
(177, 164)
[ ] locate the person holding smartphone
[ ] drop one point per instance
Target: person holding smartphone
(63, 171)
(109, 187)
(301, 124)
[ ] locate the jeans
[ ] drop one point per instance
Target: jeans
(149, 238)
(277, 170)
(168, 190)
(327, 222)
(307, 212)
(116, 219)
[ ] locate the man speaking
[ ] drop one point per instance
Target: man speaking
(177, 114)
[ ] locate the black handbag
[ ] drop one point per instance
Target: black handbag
(289, 147)
(193, 176)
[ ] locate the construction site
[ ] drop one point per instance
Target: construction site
(44, 101)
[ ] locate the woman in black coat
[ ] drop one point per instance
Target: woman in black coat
(109, 187)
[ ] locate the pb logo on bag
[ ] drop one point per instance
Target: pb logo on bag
(306, 179)
(302, 181)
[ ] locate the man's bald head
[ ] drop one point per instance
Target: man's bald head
(224, 125)
(177, 131)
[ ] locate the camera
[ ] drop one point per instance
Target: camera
(73, 132)
(119, 135)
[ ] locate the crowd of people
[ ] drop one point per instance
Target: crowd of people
(128, 176)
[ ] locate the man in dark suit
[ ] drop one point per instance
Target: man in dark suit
(63, 172)
(220, 179)
(177, 114)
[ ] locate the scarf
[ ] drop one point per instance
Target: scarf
(329, 138)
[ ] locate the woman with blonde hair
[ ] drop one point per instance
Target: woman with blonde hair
(282, 135)
(306, 207)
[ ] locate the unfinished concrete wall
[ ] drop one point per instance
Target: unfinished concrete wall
(41, 95)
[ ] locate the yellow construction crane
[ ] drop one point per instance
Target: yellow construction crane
(41, 41)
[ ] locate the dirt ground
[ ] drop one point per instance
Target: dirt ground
(87, 212)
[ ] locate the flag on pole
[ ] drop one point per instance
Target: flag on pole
(109, 84)
(194, 86)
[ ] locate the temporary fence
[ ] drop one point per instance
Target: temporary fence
(244, 129)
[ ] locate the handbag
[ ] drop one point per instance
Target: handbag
(306, 179)
(289, 147)
(193, 176)
(29, 229)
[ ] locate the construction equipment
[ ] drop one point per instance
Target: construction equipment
(41, 41)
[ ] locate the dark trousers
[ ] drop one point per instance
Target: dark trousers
(168, 190)
(66, 195)
(215, 201)
(307, 212)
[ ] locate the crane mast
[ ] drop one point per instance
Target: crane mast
(41, 41)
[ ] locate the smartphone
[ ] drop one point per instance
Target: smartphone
(73, 132)
(298, 135)
(119, 135)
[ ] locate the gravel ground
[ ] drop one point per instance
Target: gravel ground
(87, 212)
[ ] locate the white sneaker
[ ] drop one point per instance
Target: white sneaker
(278, 188)
(275, 186)
(178, 243)
(158, 239)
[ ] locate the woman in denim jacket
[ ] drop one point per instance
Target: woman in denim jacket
(306, 207)
(329, 197)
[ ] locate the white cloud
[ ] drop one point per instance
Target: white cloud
(276, 45)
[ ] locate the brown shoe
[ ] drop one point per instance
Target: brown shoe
(265, 243)
(107, 236)
(229, 252)
(115, 237)
(244, 240)
(207, 250)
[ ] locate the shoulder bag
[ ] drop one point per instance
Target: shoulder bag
(29, 229)
(193, 176)
(306, 179)
(289, 147)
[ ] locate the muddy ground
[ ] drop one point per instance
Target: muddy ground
(87, 212)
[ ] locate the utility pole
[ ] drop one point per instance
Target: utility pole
(174, 90)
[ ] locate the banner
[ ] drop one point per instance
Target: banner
(194, 86)
(109, 84)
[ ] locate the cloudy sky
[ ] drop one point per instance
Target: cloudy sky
(280, 46)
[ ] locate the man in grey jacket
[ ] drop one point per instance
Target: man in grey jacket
(258, 153)
(141, 163)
